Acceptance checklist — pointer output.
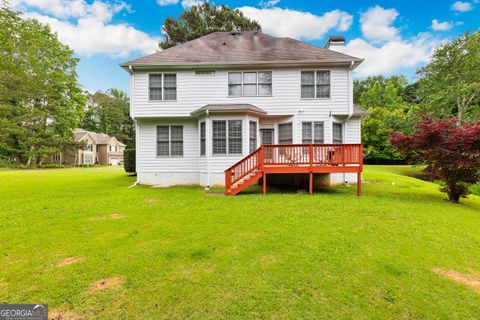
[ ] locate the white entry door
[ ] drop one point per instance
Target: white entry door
(266, 136)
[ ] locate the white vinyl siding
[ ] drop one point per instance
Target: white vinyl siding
(312, 132)
(285, 133)
(195, 91)
(170, 140)
(250, 84)
(337, 133)
(162, 86)
(315, 84)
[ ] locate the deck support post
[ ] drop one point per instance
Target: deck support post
(359, 184)
(310, 187)
(264, 183)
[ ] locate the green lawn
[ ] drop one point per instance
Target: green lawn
(179, 253)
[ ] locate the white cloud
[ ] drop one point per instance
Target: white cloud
(298, 24)
(441, 26)
(186, 4)
(87, 28)
(392, 55)
(268, 3)
(166, 2)
(376, 24)
(461, 6)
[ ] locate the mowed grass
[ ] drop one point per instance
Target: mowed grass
(177, 253)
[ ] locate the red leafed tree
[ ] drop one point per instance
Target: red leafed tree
(451, 150)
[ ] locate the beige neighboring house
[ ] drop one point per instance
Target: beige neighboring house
(99, 148)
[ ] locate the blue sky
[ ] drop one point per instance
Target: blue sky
(395, 37)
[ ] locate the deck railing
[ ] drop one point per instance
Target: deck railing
(244, 167)
(295, 155)
(313, 154)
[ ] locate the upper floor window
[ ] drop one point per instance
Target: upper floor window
(170, 140)
(227, 136)
(337, 133)
(162, 86)
(315, 84)
(285, 133)
(312, 132)
(88, 147)
(250, 84)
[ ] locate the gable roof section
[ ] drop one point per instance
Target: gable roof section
(242, 48)
(98, 138)
(359, 111)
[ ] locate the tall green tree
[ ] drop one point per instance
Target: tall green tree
(109, 112)
(450, 83)
(40, 98)
(202, 19)
(390, 109)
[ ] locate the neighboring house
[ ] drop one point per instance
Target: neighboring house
(204, 105)
(98, 148)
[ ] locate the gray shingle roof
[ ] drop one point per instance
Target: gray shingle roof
(99, 138)
(242, 47)
(359, 111)
(226, 107)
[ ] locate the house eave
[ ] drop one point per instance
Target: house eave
(241, 64)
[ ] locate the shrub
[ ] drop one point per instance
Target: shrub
(129, 160)
(450, 149)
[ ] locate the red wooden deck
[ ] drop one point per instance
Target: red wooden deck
(294, 158)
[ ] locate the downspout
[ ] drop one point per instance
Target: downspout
(137, 133)
(350, 102)
(207, 147)
(350, 91)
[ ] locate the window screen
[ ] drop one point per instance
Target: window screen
(308, 84)
(337, 133)
(235, 136)
(323, 84)
(249, 84)
(219, 137)
(285, 133)
(264, 83)
(202, 139)
(253, 136)
(176, 140)
(234, 83)
(170, 86)
(155, 86)
(163, 141)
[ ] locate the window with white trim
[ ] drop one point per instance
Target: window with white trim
(253, 136)
(162, 86)
(170, 141)
(337, 133)
(250, 83)
(315, 84)
(285, 133)
(203, 141)
(226, 137)
(312, 132)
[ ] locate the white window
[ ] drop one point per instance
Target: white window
(315, 84)
(202, 139)
(253, 136)
(250, 84)
(312, 132)
(285, 133)
(227, 136)
(162, 86)
(169, 140)
(337, 133)
(88, 147)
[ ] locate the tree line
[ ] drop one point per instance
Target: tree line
(41, 101)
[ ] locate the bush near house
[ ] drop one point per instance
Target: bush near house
(129, 160)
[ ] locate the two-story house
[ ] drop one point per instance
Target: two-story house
(266, 103)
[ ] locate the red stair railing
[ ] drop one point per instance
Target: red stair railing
(244, 167)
